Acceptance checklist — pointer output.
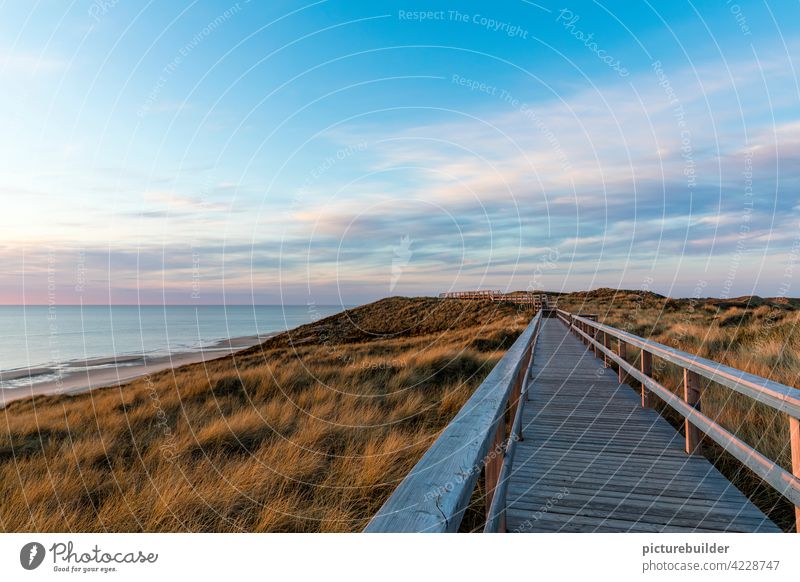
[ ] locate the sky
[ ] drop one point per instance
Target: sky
(336, 152)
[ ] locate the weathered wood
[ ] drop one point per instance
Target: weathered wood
(704, 490)
(536, 300)
(493, 465)
(643, 509)
(643, 514)
(496, 506)
(516, 390)
(521, 521)
(646, 366)
(778, 396)
(526, 521)
(596, 333)
(691, 395)
(623, 465)
(794, 440)
(781, 480)
(434, 495)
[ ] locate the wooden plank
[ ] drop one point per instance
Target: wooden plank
(641, 509)
(652, 489)
(707, 492)
(731, 498)
(623, 464)
(621, 469)
(558, 522)
(643, 515)
(614, 457)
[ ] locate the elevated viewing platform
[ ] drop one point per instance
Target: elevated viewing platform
(537, 300)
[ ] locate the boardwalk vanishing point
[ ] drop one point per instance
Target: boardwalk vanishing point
(565, 444)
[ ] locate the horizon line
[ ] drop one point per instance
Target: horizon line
(178, 304)
(433, 296)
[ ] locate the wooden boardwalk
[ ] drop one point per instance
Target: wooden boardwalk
(592, 459)
(563, 443)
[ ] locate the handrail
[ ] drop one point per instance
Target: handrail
(774, 394)
(437, 491)
(778, 396)
(496, 517)
(518, 297)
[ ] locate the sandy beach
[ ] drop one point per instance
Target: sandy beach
(82, 375)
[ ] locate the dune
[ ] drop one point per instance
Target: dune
(309, 431)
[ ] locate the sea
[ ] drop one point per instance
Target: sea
(37, 341)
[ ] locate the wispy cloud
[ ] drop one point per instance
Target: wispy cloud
(629, 175)
(28, 64)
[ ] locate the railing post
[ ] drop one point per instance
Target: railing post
(515, 401)
(691, 394)
(494, 463)
(622, 351)
(794, 439)
(596, 336)
(516, 392)
(529, 368)
(607, 345)
(646, 365)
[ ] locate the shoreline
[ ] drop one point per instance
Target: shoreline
(81, 376)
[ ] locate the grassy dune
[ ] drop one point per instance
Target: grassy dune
(760, 336)
(308, 432)
(313, 429)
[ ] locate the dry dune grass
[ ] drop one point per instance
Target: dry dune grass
(312, 430)
(757, 335)
(309, 432)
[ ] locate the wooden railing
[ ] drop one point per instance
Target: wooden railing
(773, 394)
(437, 491)
(482, 294)
(538, 300)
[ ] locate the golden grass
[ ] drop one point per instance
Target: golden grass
(309, 432)
(759, 336)
(313, 430)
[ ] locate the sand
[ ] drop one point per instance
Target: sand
(80, 376)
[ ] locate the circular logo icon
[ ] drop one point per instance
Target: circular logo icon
(31, 555)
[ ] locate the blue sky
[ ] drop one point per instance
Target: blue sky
(336, 152)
